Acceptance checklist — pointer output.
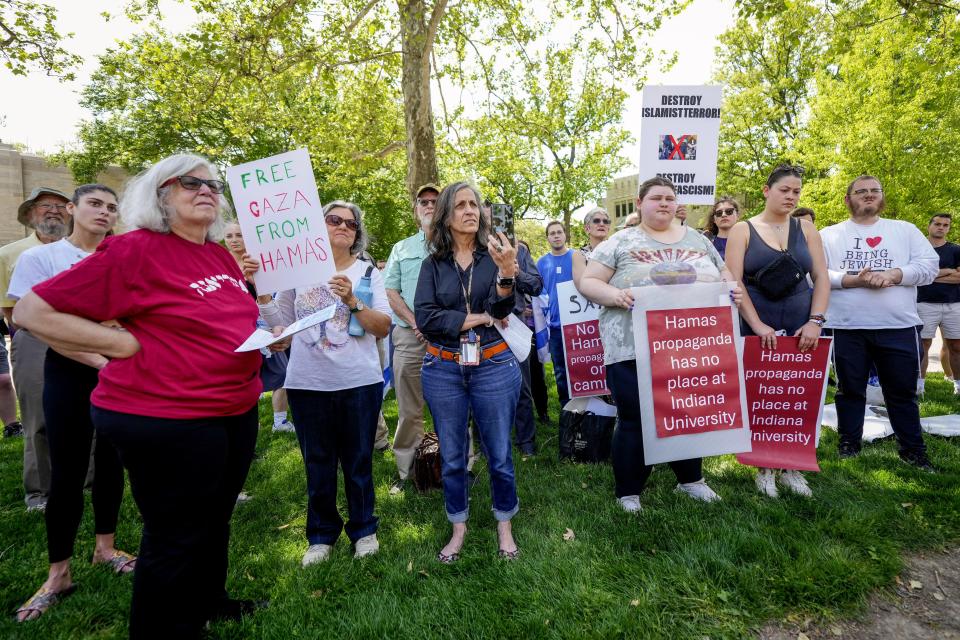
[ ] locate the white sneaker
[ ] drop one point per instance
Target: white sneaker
(630, 504)
(366, 546)
(795, 481)
(243, 496)
(316, 553)
(956, 387)
(767, 482)
(284, 427)
(921, 386)
(699, 491)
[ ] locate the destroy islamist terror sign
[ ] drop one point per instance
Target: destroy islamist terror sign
(280, 215)
(690, 379)
(785, 391)
(582, 348)
(679, 139)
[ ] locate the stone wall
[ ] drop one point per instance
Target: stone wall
(20, 173)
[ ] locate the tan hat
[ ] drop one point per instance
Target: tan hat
(428, 187)
(23, 210)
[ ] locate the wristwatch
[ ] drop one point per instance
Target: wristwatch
(360, 306)
(504, 283)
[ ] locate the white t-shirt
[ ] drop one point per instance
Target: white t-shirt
(38, 264)
(886, 244)
(326, 357)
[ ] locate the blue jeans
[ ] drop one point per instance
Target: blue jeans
(489, 392)
(895, 353)
(338, 427)
(559, 364)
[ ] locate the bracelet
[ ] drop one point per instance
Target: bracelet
(817, 321)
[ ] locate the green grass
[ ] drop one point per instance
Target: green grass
(680, 569)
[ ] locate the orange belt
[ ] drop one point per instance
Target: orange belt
(446, 354)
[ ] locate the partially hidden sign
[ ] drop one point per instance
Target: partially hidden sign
(582, 348)
(689, 374)
(785, 391)
(694, 370)
(280, 215)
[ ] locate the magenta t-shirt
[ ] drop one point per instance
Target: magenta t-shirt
(188, 306)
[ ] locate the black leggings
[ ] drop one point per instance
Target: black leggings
(630, 473)
(66, 405)
(185, 476)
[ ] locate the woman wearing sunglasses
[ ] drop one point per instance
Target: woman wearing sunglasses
(597, 225)
(788, 306)
(726, 213)
(335, 386)
(175, 400)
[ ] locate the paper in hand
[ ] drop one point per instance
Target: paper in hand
(260, 338)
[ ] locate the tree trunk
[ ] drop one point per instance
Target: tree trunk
(415, 82)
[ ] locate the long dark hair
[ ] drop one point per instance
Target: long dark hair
(441, 239)
(711, 226)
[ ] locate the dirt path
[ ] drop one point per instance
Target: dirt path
(923, 604)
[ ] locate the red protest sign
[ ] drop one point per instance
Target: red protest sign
(785, 389)
(694, 370)
(582, 347)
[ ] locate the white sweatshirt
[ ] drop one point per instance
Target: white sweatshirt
(886, 244)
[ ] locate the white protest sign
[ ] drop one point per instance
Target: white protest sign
(689, 372)
(582, 348)
(280, 215)
(679, 139)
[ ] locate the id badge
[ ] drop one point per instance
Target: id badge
(470, 349)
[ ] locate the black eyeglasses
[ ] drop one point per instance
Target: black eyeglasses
(721, 213)
(427, 202)
(193, 183)
(605, 221)
(334, 220)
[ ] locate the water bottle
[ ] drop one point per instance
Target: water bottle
(364, 292)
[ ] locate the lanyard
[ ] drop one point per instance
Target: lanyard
(469, 288)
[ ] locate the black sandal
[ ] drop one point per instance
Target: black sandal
(509, 555)
(447, 559)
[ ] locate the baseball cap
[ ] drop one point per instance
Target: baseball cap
(428, 187)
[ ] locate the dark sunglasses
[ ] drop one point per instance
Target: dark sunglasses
(334, 220)
(192, 183)
(720, 213)
(601, 221)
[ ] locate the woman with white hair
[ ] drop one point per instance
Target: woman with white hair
(597, 225)
(335, 386)
(175, 400)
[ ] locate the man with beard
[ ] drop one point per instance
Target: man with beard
(938, 304)
(45, 211)
(875, 266)
(409, 346)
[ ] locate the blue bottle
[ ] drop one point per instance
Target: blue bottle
(364, 292)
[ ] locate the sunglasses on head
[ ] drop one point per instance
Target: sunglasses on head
(601, 221)
(720, 213)
(192, 183)
(334, 220)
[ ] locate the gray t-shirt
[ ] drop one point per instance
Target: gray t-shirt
(693, 258)
(37, 264)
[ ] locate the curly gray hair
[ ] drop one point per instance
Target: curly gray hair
(144, 200)
(360, 243)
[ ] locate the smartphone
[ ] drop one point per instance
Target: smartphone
(502, 217)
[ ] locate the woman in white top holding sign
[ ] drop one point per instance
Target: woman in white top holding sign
(335, 385)
(654, 253)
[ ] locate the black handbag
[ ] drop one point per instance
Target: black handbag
(778, 279)
(585, 437)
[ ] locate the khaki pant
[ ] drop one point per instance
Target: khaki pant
(27, 355)
(407, 360)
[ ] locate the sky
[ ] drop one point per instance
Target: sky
(43, 113)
